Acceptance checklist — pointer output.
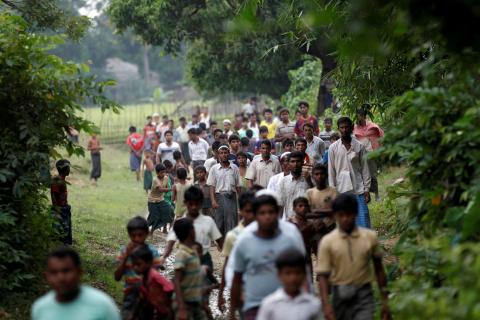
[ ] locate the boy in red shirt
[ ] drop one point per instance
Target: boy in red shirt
(136, 142)
(60, 208)
(156, 290)
(305, 118)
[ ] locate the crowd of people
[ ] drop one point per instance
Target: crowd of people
(284, 200)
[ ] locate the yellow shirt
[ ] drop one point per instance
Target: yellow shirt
(272, 127)
(348, 257)
(231, 238)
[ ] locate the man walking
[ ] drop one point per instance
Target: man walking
(224, 183)
(348, 169)
(197, 148)
(262, 168)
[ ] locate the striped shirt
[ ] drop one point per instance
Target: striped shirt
(132, 279)
(187, 260)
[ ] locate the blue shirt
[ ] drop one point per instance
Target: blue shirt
(254, 257)
(91, 304)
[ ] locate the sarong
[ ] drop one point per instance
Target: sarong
(226, 215)
(96, 166)
(363, 216)
(159, 214)
(185, 152)
(360, 306)
(147, 180)
(135, 162)
(63, 223)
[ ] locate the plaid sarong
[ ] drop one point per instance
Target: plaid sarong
(363, 216)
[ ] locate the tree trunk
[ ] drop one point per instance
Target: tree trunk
(146, 64)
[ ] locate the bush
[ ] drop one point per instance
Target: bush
(40, 97)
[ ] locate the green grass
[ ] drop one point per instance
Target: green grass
(100, 214)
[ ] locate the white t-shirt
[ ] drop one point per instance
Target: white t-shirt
(166, 151)
(198, 151)
(206, 231)
(209, 163)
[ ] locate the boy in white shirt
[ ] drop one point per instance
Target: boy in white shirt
(290, 301)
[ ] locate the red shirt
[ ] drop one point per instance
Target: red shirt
(301, 121)
(157, 291)
(149, 130)
(135, 140)
(59, 192)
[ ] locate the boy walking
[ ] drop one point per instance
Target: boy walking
(290, 301)
(136, 143)
(321, 196)
(159, 210)
(60, 208)
(188, 278)
(206, 231)
(179, 192)
(344, 262)
(156, 291)
(137, 229)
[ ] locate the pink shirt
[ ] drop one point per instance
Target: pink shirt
(368, 135)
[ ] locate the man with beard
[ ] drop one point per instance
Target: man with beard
(224, 183)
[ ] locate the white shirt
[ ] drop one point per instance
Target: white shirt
(348, 169)
(224, 179)
(290, 189)
(209, 163)
(198, 151)
(255, 129)
(274, 181)
(248, 108)
(182, 134)
(280, 306)
(206, 231)
(315, 149)
(166, 151)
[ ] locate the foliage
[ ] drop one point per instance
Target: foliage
(40, 96)
(218, 61)
(49, 15)
(305, 83)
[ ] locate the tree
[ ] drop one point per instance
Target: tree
(40, 98)
(217, 60)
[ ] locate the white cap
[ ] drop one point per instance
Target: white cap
(227, 121)
(284, 154)
(266, 192)
(155, 115)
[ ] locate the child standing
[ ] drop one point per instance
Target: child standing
(188, 280)
(179, 192)
(290, 301)
(136, 143)
(137, 229)
(61, 210)
(201, 182)
(147, 168)
(242, 169)
(156, 291)
(94, 148)
(209, 282)
(159, 210)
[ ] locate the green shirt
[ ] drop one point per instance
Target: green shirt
(186, 260)
(91, 304)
